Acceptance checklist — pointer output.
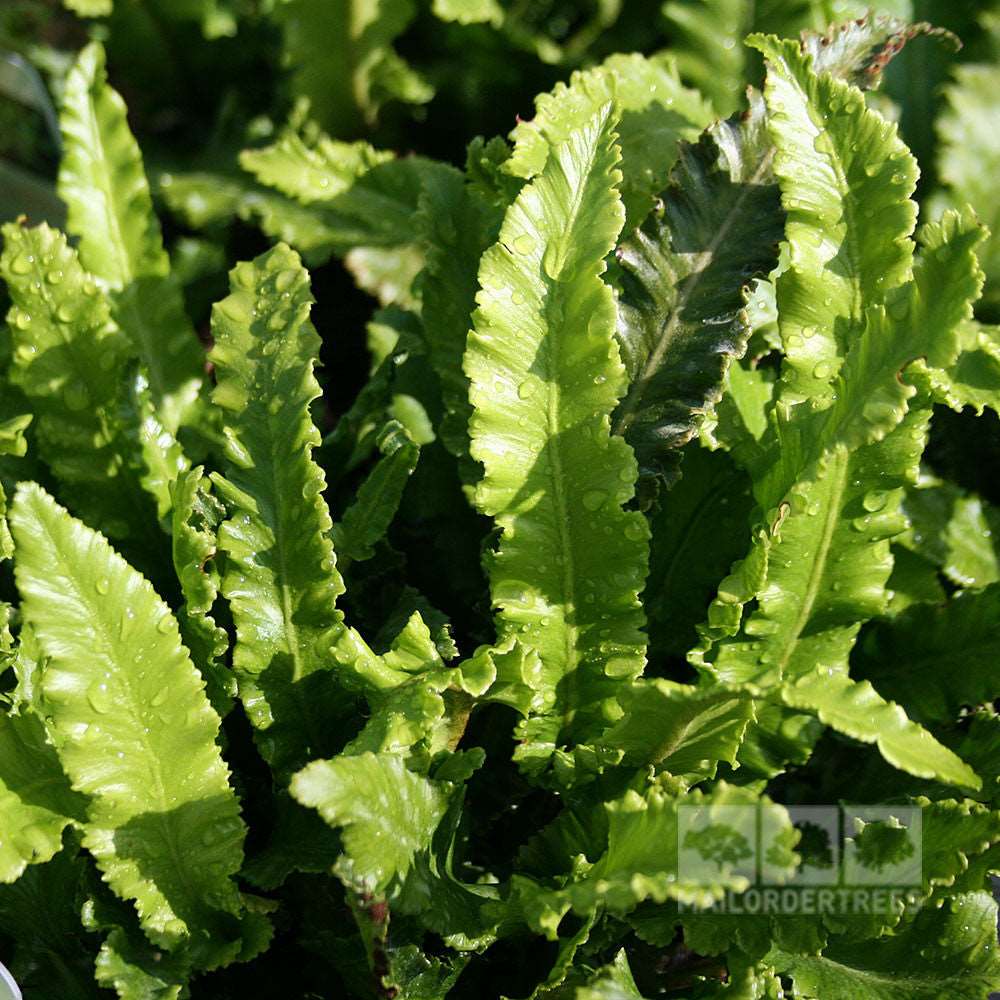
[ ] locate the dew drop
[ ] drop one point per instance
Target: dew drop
(877, 412)
(54, 277)
(22, 320)
(517, 298)
(824, 369)
(102, 586)
(527, 389)
(163, 626)
(99, 697)
(22, 263)
(524, 243)
(594, 499)
(160, 697)
(875, 500)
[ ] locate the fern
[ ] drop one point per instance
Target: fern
(162, 820)
(281, 580)
(101, 179)
(612, 614)
(543, 328)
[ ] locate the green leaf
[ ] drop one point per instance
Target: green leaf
(469, 11)
(202, 199)
(133, 973)
(281, 578)
(839, 446)
(197, 515)
(341, 56)
(828, 563)
(133, 730)
(36, 801)
(681, 729)
(458, 225)
(947, 951)
(641, 858)
(373, 217)
(163, 458)
(707, 36)
(776, 738)
(700, 530)
(684, 285)
(919, 326)
(368, 518)
(846, 181)
(387, 813)
(707, 39)
(953, 530)
(914, 580)
(69, 360)
(969, 154)
(613, 982)
(974, 378)
(412, 975)
(128, 962)
(545, 376)
(307, 165)
(101, 179)
(953, 835)
(857, 710)
(934, 660)
(655, 112)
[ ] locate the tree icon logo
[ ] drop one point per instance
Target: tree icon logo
(720, 844)
(717, 843)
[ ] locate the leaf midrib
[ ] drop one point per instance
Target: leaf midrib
(840, 462)
(553, 357)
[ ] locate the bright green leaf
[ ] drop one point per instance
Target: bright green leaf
(545, 376)
(133, 730)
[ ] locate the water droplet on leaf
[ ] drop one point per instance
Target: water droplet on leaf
(524, 243)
